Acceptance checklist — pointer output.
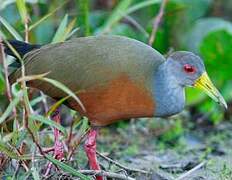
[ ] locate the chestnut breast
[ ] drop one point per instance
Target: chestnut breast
(121, 99)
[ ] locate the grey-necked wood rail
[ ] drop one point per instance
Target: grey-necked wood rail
(117, 77)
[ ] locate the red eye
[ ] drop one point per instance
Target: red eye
(189, 69)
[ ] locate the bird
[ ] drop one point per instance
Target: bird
(116, 78)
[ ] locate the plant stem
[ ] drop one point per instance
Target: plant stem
(156, 22)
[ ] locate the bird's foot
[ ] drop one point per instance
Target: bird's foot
(90, 149)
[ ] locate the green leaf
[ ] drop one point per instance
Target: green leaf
(174, 132)
(216, 50)
(54, 83)
(46, 16)
(36, 100)
(11, 30)
(72, 32)
(7, 151)
(10, 107)
(83, 16)
(48, 122)
(2, 83)
(116, 15)
(15, 89)
(141, 5)
(64, 30)
(69, 29)
(67, 168)
(56, 105)
(58, 37)
(21, 4)
(13, 50)
(65, 89)
(84, 126)
(193, 39)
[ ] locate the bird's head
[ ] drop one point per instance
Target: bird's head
(189, 70)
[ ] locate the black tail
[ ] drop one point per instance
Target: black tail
(21, 47)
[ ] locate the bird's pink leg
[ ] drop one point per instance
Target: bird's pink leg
(90, 149)
(58, 147)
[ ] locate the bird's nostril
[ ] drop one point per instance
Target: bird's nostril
(208, 87)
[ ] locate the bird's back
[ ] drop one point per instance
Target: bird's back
(93, 64)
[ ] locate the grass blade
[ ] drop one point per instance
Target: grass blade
(122, 10)
(36, 100)
(65, 89)
(10, 108)
(32, 77)
(21, 4)
(69, 29)
(48, 122)
(56, 105)
(141, 5)
(58, 37)
(72, 32)
(11, 30)
(46, 16)
(54, 83)
(84, 126)
(83, 17)
(116, 15)
(67, 168)
(7, 151)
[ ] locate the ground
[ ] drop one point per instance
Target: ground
(139, 145)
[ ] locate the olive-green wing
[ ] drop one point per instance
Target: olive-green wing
(87, 62)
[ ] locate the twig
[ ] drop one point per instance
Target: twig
(24, 163)
(71, 152)
(48, 150)
(106, 174)
(35, 141)
(156, 22)
(136, 25)
(5, 67)
(26, 26)
(3, 160)
(122, 166)
(19, 154)
(181, 177)
(70, 135)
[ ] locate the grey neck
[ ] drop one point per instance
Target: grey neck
(169, 95)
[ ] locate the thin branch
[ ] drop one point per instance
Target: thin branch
(106, 174)
(24, 163)
(70, 135)
(183, 176)
(78, 141)
(136, 25)
(27, 30)
(122, 166)
(35, 141)
(156, 22)
(6, 74)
